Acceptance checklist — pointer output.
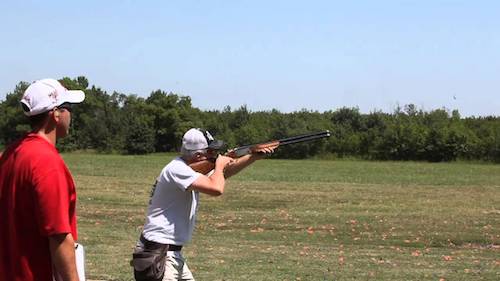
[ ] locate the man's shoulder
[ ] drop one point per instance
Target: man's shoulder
(177, 164)
(176, 169)
(39, 152)
(40, 148)
(32, 155)
(30, 145)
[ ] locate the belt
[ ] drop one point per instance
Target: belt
(155, 245)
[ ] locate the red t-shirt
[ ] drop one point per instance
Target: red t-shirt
(37, 199)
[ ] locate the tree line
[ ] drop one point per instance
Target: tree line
(120, 123)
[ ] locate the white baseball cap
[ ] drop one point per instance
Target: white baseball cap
(43, 95)
(196, 138)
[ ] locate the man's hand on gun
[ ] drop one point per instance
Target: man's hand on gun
(223, 161)
(260, 152)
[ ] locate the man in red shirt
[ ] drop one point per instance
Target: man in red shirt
(37, 192)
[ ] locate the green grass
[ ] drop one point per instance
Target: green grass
(305, 220)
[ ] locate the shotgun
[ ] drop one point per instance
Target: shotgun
(206, 166)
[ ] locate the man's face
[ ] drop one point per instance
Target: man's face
(64, 120)
(211, 154)
(208, 155)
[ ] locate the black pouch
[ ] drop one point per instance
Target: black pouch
(149, 265)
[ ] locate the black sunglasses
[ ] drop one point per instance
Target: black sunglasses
(66, 106)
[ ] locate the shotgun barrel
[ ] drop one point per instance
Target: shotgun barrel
(305, 137)
(247, 149)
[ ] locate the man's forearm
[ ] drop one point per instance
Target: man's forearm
(62, 252)
(240, 164)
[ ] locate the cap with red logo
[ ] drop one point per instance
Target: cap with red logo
(43, 95)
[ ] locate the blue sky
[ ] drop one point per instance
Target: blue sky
(288, 55)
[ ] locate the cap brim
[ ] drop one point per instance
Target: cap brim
(72, 96)
(216, 144)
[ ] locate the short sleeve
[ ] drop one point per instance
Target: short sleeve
(181, 174)
(52, 192)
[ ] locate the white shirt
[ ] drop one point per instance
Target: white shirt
(172, 208)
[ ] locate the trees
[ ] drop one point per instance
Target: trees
(486, 138)
(171, 116)
(13, 124)
(126, 123)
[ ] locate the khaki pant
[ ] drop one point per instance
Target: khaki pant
(176, 268)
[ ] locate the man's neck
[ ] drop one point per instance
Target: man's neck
(186, 160)
(49, 136)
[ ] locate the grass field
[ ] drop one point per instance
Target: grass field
(305, 220)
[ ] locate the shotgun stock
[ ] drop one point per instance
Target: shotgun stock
(203, 167)
(206, 166)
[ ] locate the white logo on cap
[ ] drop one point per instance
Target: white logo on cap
(209, 136)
